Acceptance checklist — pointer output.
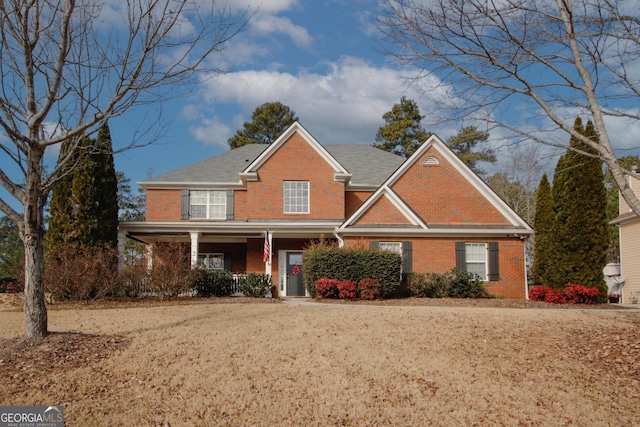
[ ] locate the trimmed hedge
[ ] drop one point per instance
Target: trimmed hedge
(454, 284)
(214, 283)
(323, 260)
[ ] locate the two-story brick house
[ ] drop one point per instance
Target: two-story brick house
(431, 208)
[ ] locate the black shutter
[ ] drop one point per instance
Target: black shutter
(494, 266)
(185, 204)
(227, 261)
(407, 262)
(461, 263)
(230, 194)
(374, 244)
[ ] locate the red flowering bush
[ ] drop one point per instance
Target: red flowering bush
(572, 294)
(578, 294)
(348, 289)
(369, 289)
(326, 288)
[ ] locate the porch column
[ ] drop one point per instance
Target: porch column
(194, 248)
(150, 256)
(122, 237)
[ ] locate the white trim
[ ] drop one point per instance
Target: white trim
(387, 192)
(194, 248)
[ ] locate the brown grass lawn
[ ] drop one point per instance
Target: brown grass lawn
(234, 363)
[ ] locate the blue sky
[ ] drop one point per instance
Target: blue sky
(318, 57)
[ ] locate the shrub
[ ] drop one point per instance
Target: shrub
(323, 260)
(369, 289)
(214, 283)
(429, 285)
(171, 274)
(572, 294)
(255, 285)
(578, 294)
(82, 274)
(347, 289)
(326, 288)
(466, 285)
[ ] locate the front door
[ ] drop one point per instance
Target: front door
(295, 286)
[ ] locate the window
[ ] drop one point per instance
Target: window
(395, 247)
(481, 259)
(208, 204)
(476, 259)
(296, 197)
(211, 261)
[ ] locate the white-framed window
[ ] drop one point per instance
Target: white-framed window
(296, 197)
(395, 247)
(208, 204)
(211, 261)
(476, 259)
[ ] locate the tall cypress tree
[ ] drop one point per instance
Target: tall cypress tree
(543, 223)
(84, 205)
(61, 204)
(579, 233)
(106, 183)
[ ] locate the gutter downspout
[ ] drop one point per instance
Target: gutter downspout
(340, 241)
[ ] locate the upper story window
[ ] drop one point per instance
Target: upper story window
(208, 204)
(296, 197)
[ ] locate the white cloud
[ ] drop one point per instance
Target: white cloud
(271, 24)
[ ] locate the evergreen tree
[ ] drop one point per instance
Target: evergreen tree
(464, 144)
(579, 233)
(542, 225)
(132, 206)
(106, 183)
(268, 122)
(613, 205)
(402, 134)
(61, 205)
(11, 249)
(84, 204)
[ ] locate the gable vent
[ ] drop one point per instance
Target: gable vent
(431, 161)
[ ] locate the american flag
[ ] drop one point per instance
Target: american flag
(266, 256)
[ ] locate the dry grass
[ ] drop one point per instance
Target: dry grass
(270, 364)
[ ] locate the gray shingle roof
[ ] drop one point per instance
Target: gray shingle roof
(368, 165)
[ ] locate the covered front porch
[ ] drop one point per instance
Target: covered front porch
(237, 247)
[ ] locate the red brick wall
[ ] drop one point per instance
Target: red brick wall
(438, 255)
(383, 212)
(163, 205)
(353, 200)
(295, 160)
(237, 252)
(441, 195)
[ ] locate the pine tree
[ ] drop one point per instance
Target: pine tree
(542, 225)
(579, 234)
(402, 134)
(268, 122)
(464, 145)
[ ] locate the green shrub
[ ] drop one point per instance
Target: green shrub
(255, 285)
(214, 283)
(455, 284)
(353, 264)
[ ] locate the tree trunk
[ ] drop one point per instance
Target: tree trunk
(35, 311)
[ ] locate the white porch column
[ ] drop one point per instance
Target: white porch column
(122, 237)
(194, 248)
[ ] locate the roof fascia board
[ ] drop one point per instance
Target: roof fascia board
(188, 184)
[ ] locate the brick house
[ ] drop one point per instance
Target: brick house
(431, 208)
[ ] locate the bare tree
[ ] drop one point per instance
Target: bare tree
(66, 70)
(547, 60)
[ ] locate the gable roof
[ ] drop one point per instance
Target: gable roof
(367, 166)
(434, 142)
